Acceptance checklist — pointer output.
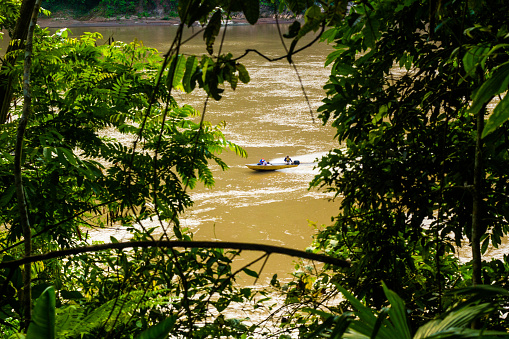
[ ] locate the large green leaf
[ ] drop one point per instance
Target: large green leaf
(251, 9)
(498, 117)
(191, 65)
(176, 71)
(496, 84)
(367, 320)
(243, 73)
(212, 30)
(159, 331)
(338, 324)
(453, 324)
(194, 10)
(472, 59)
(298, 6)
(42, 325)
(397, 313)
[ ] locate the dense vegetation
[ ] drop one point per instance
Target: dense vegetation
(124, 7)
(417, 94)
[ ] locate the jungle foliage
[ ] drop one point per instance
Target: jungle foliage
(126, 7)
(416, 172)
(106, 143)
(97, 138)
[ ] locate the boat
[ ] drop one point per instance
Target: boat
(272, 166)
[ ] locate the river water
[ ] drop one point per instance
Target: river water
(269, 118)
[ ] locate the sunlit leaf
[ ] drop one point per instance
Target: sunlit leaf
(453, 321)
(496, 84)
(191, 65)
(42, 325)
(498, 117)
(243, 73)
(161, 330)
(176, 71)
(472, 59)
(397, 313)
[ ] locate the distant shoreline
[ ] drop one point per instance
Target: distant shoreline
(113, 22)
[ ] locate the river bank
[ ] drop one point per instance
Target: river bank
(64, 21)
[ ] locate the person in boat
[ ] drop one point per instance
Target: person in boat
(262, 162)
(288, 160)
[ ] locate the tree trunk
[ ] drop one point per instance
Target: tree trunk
(19, 36)
(23, 213)
(476, 203)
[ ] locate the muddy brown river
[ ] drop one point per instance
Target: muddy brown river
(269, 118)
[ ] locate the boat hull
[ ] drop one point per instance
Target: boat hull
(269, 167)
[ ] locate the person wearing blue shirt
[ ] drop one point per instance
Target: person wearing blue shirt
(262, 162)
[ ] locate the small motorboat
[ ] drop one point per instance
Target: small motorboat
(273, 166)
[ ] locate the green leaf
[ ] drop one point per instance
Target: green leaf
(161, 330)
(69, 155)
(313, 13)
(340, 68)
(71, 294)
(47, 153)
(397, 313)
(456, 321)
(485, 245)
(251, 9)
(371, 32)
(293, 30)
(42, 325)
(7, 195)
(297, 6)
(191, 65)
(472, 58)
(250, 272)
(212, 30)
(194, 10)
(498, 117)
(176, 71)
(243, 73)
(364, 313)
(312, 21)
(326, 325)
(496, 84)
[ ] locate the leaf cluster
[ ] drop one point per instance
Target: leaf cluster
(403, 169)
(106, 144)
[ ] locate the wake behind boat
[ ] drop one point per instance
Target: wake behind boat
(272, 166)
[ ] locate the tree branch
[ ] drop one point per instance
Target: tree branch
(183, 244)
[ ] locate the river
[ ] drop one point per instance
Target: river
(270, 118)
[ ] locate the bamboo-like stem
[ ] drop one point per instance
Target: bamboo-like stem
(22, 207)
(476, 202)
(19, 35)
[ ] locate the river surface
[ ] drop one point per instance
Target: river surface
(270, 118)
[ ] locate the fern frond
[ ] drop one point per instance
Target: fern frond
(72, 321)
